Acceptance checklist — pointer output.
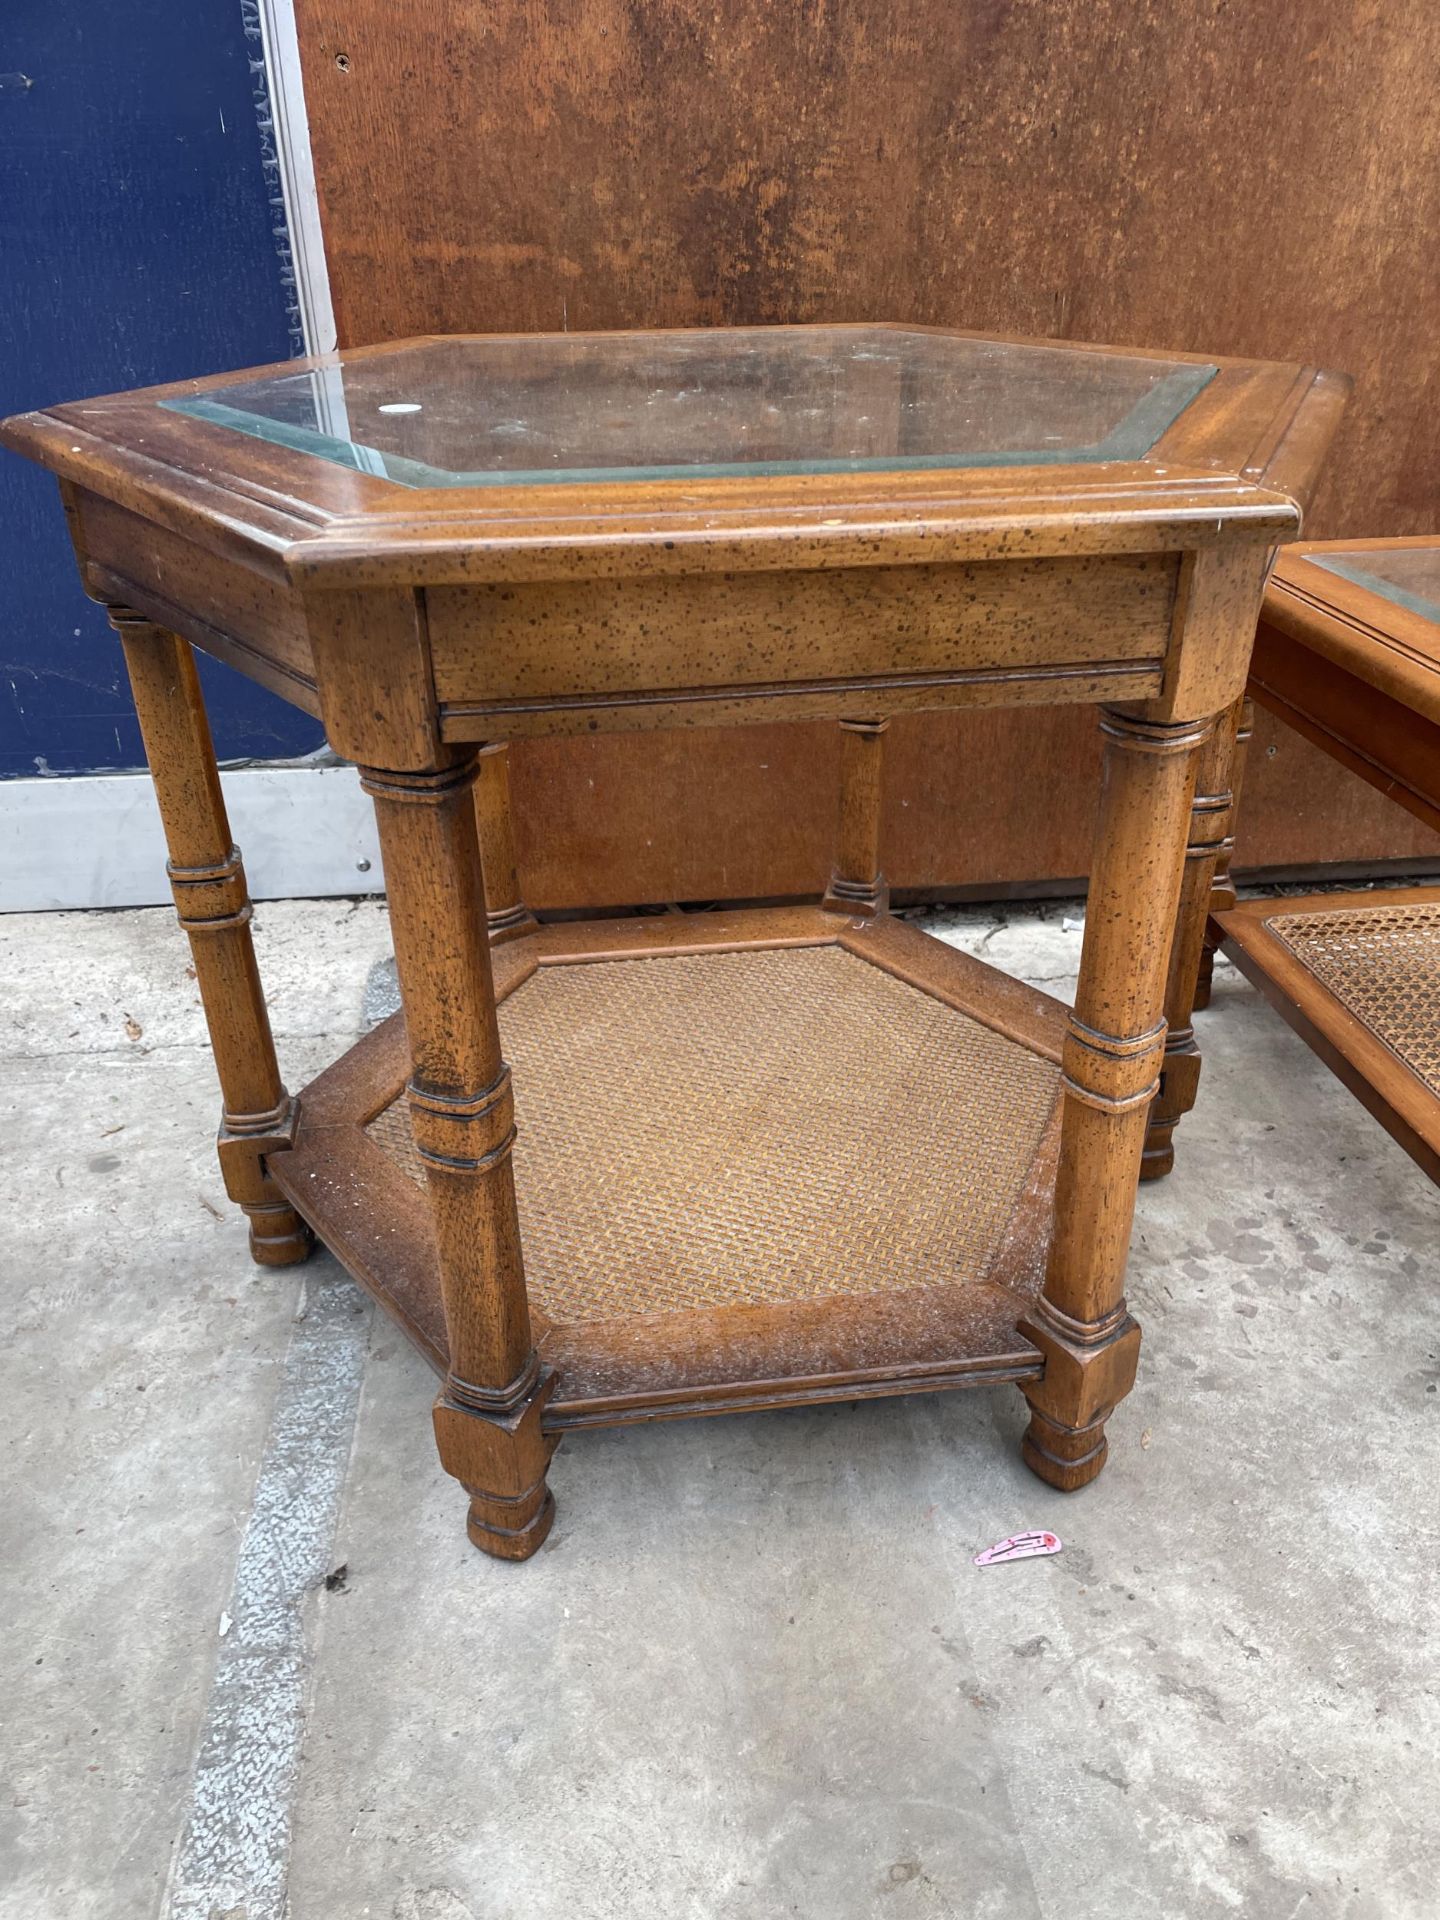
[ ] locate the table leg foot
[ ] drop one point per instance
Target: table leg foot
(501, 1458)
(496, 1526)
(1204, 980)
(1158, 1159)
(1064, 1457)
(1089, 1368)
(278, 1237)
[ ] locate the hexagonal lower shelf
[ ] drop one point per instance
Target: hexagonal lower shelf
(761, 1158)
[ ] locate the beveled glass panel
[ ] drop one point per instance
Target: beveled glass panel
(709, 403)
(1407, 576)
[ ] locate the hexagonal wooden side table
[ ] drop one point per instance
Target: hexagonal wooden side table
(763, 1158)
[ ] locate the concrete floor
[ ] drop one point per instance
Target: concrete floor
(754, 1673)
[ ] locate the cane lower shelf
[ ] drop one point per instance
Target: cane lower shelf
(1358, 978)
(762, 1158)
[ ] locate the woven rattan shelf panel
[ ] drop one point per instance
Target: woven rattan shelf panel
(749, 1128)
(1382, 963)
(1358, 978)
(766, 1157)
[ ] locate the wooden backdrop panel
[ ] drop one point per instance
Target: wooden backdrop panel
(972, 801)
(1245, 180)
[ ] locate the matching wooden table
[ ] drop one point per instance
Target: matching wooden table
(763, 1158)
(1348, 653)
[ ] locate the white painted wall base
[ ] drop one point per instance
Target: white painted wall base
(95, 841)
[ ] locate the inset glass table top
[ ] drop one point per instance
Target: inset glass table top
(1407, 576)
(476, 411)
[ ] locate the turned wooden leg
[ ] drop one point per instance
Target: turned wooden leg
(505, 910)
(857, 886)
(1222, 887)
(208, 882)
(488, 1414)
(1212, 811)
(1111, 1065)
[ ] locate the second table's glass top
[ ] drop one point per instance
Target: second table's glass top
(1406, 576)
(482, 411)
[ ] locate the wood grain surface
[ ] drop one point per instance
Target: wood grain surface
(1252, 181)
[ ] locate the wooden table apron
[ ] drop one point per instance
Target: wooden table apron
(422, 647)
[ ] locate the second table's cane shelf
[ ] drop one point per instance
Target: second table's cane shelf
(1358, 977)
(763, 1158)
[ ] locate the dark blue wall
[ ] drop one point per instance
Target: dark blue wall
(138, 243)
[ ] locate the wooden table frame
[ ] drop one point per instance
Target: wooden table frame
(425, 629)
(1356, 674)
